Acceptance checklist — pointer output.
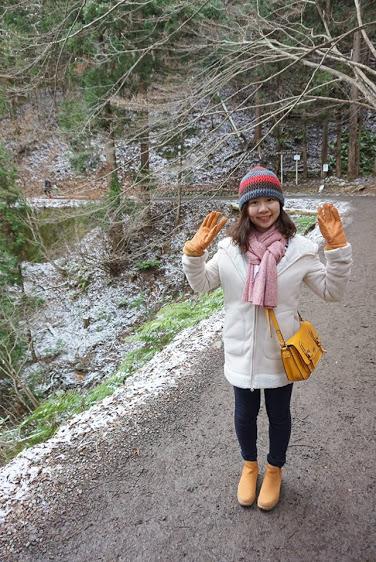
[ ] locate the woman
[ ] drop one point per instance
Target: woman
(263, 264)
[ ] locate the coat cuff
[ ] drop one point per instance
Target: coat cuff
(344, 251)
(195, 259)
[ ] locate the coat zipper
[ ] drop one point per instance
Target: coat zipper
(253, 343)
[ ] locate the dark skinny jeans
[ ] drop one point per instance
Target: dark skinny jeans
(247, 406)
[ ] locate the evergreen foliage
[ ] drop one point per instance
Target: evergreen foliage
(367, 152)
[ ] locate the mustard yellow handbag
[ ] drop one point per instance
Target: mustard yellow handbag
(301, 353)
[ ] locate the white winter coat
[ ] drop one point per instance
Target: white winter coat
(252, 352)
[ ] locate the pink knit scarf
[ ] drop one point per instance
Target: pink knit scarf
(265, 249)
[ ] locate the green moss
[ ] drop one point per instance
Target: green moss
(136, 303)
(102, 390)
(171, 319)
(144, 265)
(41, 424)
(303, 222)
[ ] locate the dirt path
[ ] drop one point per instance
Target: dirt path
(168, 492)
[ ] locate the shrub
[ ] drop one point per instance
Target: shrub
(144, 265)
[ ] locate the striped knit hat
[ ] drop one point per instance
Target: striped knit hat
(260, 182)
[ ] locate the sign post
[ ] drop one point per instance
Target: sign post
(281, 154)
(296, 158)
(325, 169)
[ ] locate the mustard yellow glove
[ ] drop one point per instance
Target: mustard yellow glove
(211, 225)
(331, 226)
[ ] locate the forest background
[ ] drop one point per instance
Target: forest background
(137, 108)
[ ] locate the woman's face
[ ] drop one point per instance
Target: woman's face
(263, 212)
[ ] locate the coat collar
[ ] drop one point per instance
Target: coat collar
(298, 247)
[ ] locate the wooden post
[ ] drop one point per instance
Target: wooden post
(281, 168)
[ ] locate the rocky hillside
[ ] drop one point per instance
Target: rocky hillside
(42, 150)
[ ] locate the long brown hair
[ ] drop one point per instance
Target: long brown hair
(243, 228)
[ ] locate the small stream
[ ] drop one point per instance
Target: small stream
(59, 227)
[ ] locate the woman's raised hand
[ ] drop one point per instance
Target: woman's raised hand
(331, 226)
(211, 225)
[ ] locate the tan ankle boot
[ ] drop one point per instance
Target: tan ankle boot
(247, 483)
(271, 487)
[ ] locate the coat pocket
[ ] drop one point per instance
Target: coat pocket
(234, 334)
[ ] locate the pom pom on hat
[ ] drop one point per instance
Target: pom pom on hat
(260, 182)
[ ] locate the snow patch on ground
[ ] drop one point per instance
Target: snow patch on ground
(56, 202)
(312, 204)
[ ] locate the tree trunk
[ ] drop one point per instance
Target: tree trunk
(305, 148)
(145, 136)
(324, 146)
(360, 125)
(13, 114)
(117, 242)
(144, 146)
(178, 202)
(145, 157)
(328, 9)
(28, 330)
(258, 128)
(117, 246)
(277, 136)
(338, 143)
(353, 154)
(110, 149)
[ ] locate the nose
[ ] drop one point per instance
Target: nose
(263, 207)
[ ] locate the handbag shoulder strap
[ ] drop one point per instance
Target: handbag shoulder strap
(270, 314)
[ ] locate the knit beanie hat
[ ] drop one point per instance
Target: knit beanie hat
(260, 182)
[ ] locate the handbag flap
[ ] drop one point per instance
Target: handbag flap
(306, 342)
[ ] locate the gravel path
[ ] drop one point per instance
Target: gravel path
(167, 490)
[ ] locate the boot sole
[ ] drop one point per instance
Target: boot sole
(246, 504)
(267, 508)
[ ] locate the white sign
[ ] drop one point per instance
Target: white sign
(325, 167)
(296, 156)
